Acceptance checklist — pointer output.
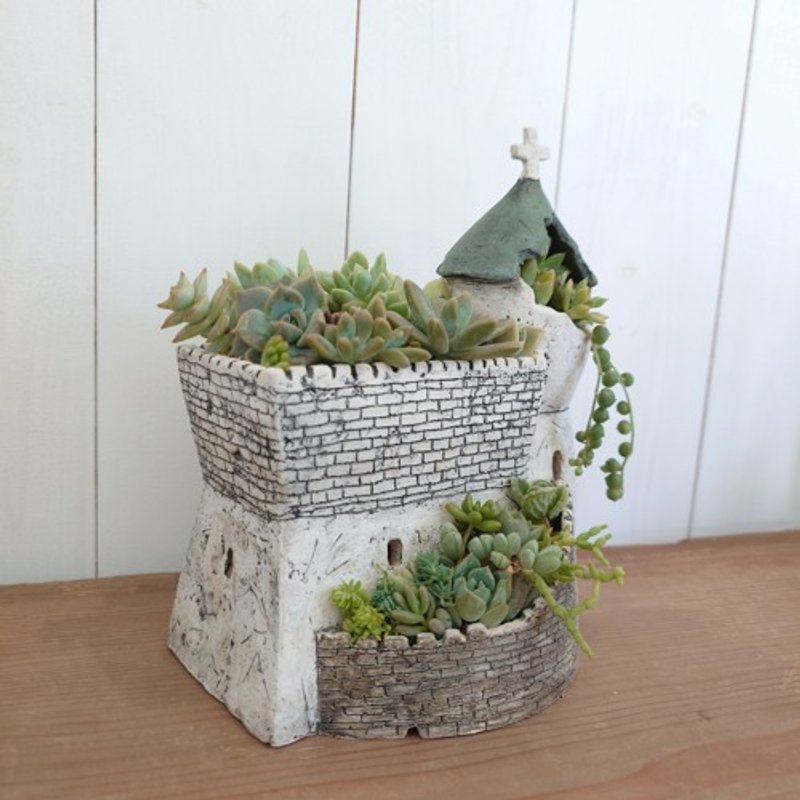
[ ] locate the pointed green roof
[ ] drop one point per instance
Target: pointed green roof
(522, 225)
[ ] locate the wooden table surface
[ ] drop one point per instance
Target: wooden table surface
(694, 693)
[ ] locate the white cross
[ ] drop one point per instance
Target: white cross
(530, 153)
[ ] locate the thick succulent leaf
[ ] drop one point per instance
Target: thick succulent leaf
(483, 576)
(407, 326)
(371, 349)
(416, 354)
(395, 358)
(346, 328)
(437, 337)
(254, 297)
(494, 615)
(244, 275)
(221, 345)
(342, 297)
(377, 307)
(324, 349)
(312, 293)
(290, 332)
(464, 309)
(475, 333)
(469, 606)
(363, 320)
(361, 280)
(449, 316)
(253, 329)
(303, 262)
(380, 264)
(346, 350)
(356, 258)
(197, 329)
(282, 299)
(498, 350)
(421, 310)
(531, 337)
(181, 295)
(341, 282)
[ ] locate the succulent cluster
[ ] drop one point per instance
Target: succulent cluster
(490, 563)
(358, 313)
(552, 286)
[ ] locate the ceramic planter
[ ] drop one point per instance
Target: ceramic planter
(316, 475)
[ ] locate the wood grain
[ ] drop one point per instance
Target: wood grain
(46, 291)
(694, 694)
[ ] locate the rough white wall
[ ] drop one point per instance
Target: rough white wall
(224, 131)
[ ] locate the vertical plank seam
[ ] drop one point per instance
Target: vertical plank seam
(353, 101)
(722, 276)
(565, 104)
(95, 382)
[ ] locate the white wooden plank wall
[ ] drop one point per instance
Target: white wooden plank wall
(750, 467)
(47, 524)
(223, 134)
(224, 131)
(649, 153)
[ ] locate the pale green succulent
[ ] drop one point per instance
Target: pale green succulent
(448, 328)
(362, 335)
(355, 285)
(539, 500)
(552, 286)
(289, 310)
(200, 316)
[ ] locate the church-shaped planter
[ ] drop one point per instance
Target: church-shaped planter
(313, 475)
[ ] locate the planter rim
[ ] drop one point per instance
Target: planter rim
(341, 374)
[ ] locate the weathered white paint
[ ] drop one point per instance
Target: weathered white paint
(46, 291)
(427, 70)
(224, 134)
(659, 96)
(750, 469)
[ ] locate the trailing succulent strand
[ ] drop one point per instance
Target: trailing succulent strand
(552, 286)
(491, 562)
(447, 328)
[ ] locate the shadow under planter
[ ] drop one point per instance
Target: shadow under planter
(452, 686)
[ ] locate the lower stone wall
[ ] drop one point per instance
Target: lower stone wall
(457, 685)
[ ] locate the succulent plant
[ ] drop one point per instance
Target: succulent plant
(448, 328)
(552, 286)
(360, 618)
(289, 310)
(356, 285)
(363, 335)
(539, 500)
(276, 353)
(200, 316)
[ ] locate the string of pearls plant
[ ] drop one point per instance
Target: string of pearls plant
(552, 286)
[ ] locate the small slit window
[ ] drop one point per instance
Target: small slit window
(394, 552)
(558, 461)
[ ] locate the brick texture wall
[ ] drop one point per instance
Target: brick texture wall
(323, 440)
(457, 685)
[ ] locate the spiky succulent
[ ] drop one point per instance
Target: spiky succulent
(448, 328)
(200, 316)
(355, 285)
(289, 310)
(360, 618)
(363, 335)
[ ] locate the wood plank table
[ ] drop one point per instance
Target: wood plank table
(694, 693)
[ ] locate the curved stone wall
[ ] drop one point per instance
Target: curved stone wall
(453, 686)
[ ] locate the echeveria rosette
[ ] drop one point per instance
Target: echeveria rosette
(448, 328)
(288, 310)
(363, 336)
(356, 285)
